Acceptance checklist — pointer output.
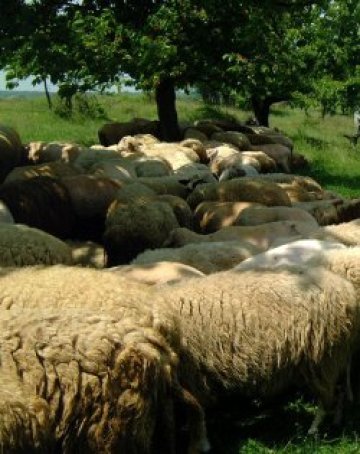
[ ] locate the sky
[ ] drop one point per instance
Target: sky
(24, 85)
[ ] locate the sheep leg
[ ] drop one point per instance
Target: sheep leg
(349, 391)
(198, 435)
(319, 417)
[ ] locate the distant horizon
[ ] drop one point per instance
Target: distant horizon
(25, 85)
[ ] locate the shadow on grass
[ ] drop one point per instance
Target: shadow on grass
(326, 179)
(315, 142)
(281, 427)
(270, 425)
(280, 113)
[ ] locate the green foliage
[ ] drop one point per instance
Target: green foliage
(83, 106)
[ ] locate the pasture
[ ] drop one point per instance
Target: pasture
(278, 427)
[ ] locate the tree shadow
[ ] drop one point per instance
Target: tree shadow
(327, 179)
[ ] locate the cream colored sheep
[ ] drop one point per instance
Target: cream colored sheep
(261, 215)
(347, 233)
(197, 146)
(92, 368)
(21, 245)
(265, 163)
(296, 253)
(262, 236)
(41, 152)
(5, 214)
(157, 273)
(85, 382)
(175, 154)
(221, 151)
(205, 257)
(256, 334)
(246, 189)
(213, 216)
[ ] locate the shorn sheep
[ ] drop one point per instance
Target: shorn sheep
(243, 339)
(88, 364)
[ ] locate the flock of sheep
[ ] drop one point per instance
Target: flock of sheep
(143, 282)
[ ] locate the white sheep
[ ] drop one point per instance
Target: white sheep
(157, 273)
(347, 233)
(295, 253)
(257, 334)
(205, 257)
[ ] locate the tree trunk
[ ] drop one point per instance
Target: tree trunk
(261, 109)
(48, 97)
(166, 108)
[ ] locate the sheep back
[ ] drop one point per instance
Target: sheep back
(21, 245)
(135, 227)
(85, 381)
(10, 150)
(40, 202)
(243, 338)
(247, 189)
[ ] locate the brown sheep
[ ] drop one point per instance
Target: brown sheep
(40, 202)
(112, 133)
(11, 150)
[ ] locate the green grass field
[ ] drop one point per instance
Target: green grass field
(335, 163)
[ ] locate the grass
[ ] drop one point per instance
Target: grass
(334, 163)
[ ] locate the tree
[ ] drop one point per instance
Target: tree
(301, 55)
(162, 45)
